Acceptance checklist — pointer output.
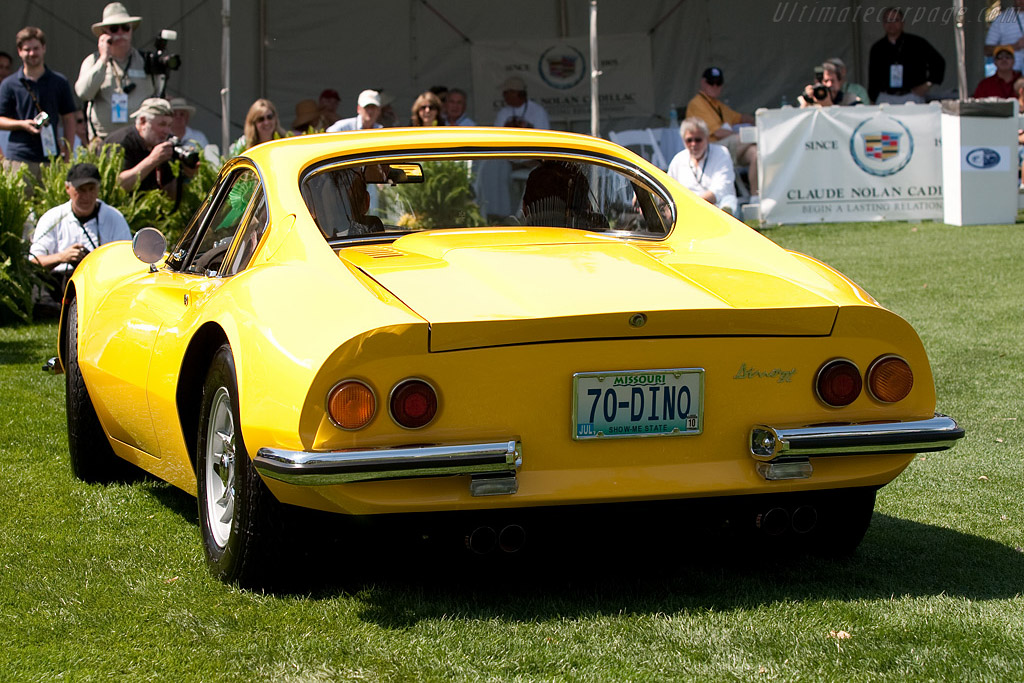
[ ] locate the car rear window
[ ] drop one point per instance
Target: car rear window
(397, 196)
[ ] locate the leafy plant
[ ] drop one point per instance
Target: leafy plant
(444, 199)
(17, 275)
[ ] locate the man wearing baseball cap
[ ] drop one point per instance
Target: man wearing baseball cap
(66, 233)
(722, 121)
(147, 149)
(367, 113)
(1000, 84)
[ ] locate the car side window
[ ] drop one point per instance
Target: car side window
(249, 238)
(223, 223)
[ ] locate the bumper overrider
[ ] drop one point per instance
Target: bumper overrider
(782, 453)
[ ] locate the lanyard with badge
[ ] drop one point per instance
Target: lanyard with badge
(42, 120)
(119, 98)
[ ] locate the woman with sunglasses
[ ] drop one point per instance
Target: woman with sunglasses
(426, 110)
(261, 125)
(703, 168)
(112, 81)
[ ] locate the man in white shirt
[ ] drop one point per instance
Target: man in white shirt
(703, 168)
(66, 233)
(1008, 29)
(455, 109)
(368, 111)
(520, 111)
(179, 124)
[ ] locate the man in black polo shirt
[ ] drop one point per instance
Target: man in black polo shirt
(147, 149)
(36, 106)
(902, 67)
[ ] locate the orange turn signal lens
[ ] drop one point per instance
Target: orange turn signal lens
(838, 383)
(351, 404)
(890, 379)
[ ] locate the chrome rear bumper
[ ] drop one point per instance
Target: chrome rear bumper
(339, 467)
(917, 436)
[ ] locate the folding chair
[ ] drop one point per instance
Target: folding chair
(639, 140)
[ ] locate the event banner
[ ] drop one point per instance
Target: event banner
(557, 74)
(862, 163)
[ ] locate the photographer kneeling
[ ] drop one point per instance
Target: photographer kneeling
(149, 146)
(66, 233)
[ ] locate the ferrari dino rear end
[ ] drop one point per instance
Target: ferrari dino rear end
(485, 320)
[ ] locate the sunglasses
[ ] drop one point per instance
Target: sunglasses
(429, 106)
(265, 117)
(715, 81)
(115, 28)
(689, 140)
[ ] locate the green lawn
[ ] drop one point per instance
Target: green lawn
(108, 582)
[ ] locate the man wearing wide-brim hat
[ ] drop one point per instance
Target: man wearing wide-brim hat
(112, 81)
(179, 125)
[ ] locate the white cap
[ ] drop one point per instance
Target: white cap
(369, 97)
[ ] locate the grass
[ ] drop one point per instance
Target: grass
(108, 582)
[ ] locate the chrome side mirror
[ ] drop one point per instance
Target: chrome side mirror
(149, 245)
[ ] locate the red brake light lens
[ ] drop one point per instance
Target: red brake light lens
(838, 383)
(890, 379)
(413, 403)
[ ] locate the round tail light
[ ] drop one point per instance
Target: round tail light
(413, 403)
(351, 404)
(838, 383)
(890, 379)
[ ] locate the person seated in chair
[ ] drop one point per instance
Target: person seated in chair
(703, 168)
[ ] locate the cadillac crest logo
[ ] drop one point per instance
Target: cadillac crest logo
(562, 66)
(881, 146)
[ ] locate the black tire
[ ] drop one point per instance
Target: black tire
(843, 521)
(238, 516)
(92, 458)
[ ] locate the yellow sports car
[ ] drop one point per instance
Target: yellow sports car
(490, 321)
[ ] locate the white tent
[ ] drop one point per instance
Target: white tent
(291, 50)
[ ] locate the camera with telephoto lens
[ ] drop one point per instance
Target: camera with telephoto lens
(42, 119)
(186, 154)
(160, 62)
(819, 93)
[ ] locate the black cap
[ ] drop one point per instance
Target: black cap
(80, 174)
(713, 75)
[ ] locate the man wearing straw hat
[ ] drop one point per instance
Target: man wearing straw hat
(113, 81)
(179, 124)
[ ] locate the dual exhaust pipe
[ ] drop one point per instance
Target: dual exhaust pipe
(778, 521)
(484, 540)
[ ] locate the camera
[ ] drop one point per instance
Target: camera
(819, 93)
(42, 119)
(186, 154)
(160, 62)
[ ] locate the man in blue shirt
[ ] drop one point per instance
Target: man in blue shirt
(36, 106)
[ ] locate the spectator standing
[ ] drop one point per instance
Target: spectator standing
(179, 124)
(703, 168)
(328, 104)
(520, 111)
(1000, 84)
(1008, 29)
(66, 233)
(388, 118)
(307, 117)
(367, 113)
(426, 110)
(455, 109)
(147, 149)
(720, 119)
(112, 82)
(261, 125)
(902, 67)
(6, 65)
(36, 106)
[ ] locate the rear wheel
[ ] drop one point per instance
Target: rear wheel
(92, 458)
(237, 514)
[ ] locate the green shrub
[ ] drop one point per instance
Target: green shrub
(444, 199)
(17, 274)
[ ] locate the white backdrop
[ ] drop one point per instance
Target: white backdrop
(864, 163)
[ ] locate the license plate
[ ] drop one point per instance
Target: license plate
(632, 403)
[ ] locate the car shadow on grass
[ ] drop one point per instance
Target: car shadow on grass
(897, 558)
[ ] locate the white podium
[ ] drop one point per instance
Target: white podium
(979, 162)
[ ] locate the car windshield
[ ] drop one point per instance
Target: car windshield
(388, 198)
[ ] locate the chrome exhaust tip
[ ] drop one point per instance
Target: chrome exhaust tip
(773, 522)
(804, 519)
(482, 540)
(512, 538)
